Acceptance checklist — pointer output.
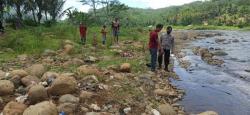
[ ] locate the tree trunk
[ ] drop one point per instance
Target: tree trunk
(34, 16)
(39, 16)
(18, 11)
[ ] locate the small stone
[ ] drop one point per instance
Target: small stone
(161, 92)
(235, 40)
(67, 49)
(166, 109)
(86, 95)
(6, 87)
(127, 110)
(43, 108)
(125, 67)
(91, 59)
(84, 109)
(95, 107)
(37, 93)
(36, 70)
(68, 108)
(48, 75)
(88, 70)
(68, 98)
(209, 113)
(22, 57)
(155, 112)
(14, 108)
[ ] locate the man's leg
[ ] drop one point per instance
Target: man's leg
(160, 60)
(166, 58)
(153, 52)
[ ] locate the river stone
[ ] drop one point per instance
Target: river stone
(220, 53)
(68, 98)
(67, 49)
(6, 87)
(161, 92)
(219, 40)
(86, 95)
(37, 93)
(88, 70)
(2, 74)
(209, 113)
(166, 109)
(43, 108)
(28, 80)
(36, 70)
(235, 40)
(63, 85)
(14, 108)
(21, 73)
(125, 67)
(48, 75)
(68, 108)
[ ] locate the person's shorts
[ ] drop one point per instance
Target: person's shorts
(115, 33)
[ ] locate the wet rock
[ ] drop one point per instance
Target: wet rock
(43, 108)
(37, 93)
(68, 98)
(67, 49)
(14, 108)
(6, 87)
(247, 71)
(166, 109)
(36, 70)
(48, 75)
(21, 73)
(85, 95)
(63, 85)
(22, 57)
(235, 40)
(28, 80)
(220, 53)
(125, 67)
(88, 70)
(219, 40)
(209, 113)
(68, 108)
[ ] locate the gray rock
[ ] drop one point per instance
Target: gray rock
(68, 98)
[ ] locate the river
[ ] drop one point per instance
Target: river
(225, 89)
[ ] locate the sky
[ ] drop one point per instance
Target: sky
(133, 3)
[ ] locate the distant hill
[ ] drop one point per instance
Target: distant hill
(211, 12)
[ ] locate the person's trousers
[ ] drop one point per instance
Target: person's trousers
(153, 53)
(83, 40)
(166, 54)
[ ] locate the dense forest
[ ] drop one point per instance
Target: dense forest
(209, 12)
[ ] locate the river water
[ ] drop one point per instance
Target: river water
(225, 89)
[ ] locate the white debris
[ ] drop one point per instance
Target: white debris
(127, 110)
(22, 99)
(155, 112)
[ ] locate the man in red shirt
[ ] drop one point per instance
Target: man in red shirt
(83, 32)
(154, 45)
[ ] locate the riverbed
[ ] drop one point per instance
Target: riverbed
(224, 89)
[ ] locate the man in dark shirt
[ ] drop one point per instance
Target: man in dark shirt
(154, 45)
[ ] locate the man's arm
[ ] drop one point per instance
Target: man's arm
(173, 45)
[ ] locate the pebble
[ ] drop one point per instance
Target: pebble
(127, 110)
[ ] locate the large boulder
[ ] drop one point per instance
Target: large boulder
(36, 70)
(125, 67)
(6, 87)
(21, 73)
(28, 80)
(208, 113)
(68, 98)
(43, 108)
(166, 109)
(63, 85)
(14, 108)
(37, 93)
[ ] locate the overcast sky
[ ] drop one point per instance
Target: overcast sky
(134, 3)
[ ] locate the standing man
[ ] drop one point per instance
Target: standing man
(115, 29)
(83, 32)
(154, 45)
(167, 44)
